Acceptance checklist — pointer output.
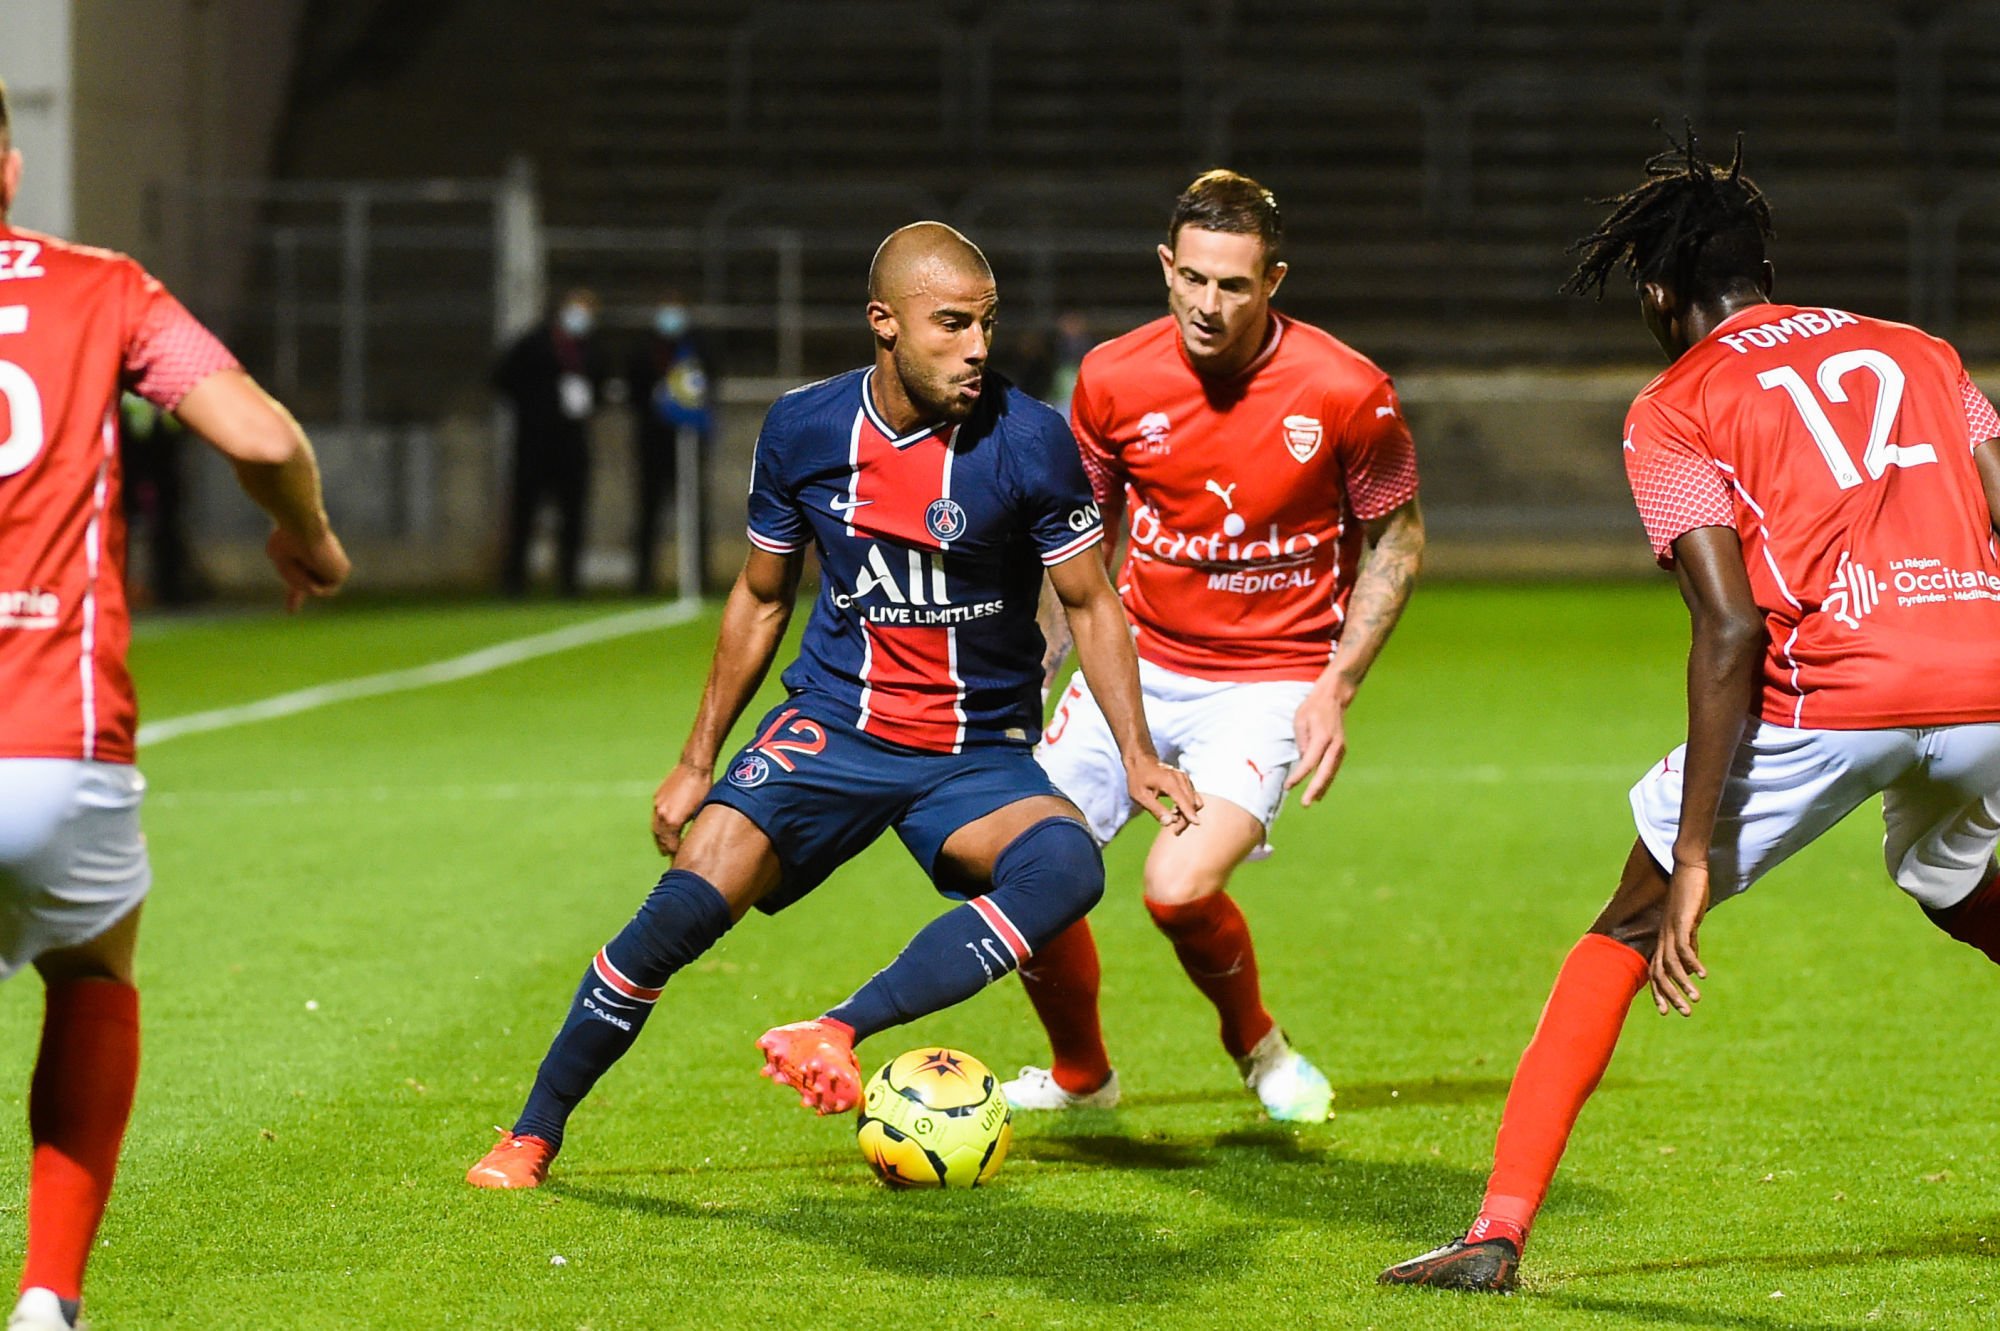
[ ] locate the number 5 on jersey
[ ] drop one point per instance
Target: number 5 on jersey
(1880, 454)
(24, 402)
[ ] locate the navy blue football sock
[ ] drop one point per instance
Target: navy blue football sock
(1046, 879)
(681, 919)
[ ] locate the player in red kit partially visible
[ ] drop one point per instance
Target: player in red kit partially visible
(77, 325)
(1826, 487)
(1268, 487)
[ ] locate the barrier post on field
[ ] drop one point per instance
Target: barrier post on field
(689, 491)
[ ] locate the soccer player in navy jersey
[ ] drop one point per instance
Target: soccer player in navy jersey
(937, 495)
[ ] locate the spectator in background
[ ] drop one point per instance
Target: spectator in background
(1072, 342)
(551, 377)
(1031, 364)
(670, 382)
(151, 444)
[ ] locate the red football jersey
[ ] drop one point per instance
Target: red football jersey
(1244, 498)
(1840, 449)
(76, 326)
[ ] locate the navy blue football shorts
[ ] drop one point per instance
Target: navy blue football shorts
(822, 791)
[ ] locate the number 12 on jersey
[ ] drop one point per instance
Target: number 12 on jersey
(1880, 455)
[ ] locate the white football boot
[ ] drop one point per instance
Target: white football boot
(40, 1310)
(1036, 1088)
(1291, 1089)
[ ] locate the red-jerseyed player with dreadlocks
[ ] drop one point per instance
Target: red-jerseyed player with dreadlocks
(1826, 487)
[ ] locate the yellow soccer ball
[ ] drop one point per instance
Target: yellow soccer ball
(934, 1118)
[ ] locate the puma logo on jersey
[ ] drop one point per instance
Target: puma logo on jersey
(1225, 493)
(1380, 412)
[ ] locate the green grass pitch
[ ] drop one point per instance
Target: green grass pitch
(368, 919)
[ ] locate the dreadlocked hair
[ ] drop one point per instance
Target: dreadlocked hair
(1692, 225)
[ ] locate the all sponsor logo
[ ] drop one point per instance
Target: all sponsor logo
(750, 771)
(945, 520)
(1302, 436)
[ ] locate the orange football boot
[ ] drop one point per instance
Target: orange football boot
(515, 1162)
(816, 1059)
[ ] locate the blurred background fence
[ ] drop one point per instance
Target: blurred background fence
(1433, 157)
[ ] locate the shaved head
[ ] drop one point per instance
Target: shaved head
(919, 257)
(931, 304)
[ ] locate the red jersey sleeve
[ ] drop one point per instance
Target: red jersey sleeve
(1677, 486)
(1378, 455)
(1981, 421)
(1100, 461)
(167, 351)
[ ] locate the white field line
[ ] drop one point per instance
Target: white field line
(541, 791)
(484, 661)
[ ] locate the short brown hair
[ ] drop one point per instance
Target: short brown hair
(1222, 200)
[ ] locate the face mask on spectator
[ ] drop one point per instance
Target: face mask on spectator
(670, 321)
(577, 319)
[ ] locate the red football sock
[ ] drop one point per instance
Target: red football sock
(78, 1105)
(1976, 920)
(1212, 939)
(1572, 1046)
(1061, 980)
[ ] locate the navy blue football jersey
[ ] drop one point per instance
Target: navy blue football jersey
(931, 549)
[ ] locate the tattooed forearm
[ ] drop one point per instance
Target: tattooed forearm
(1380, 593)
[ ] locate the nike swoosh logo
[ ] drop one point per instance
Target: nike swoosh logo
(839, 505)
(603, 997)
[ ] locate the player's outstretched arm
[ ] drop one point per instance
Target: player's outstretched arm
(753, 624)
(1727, 643)
(1395, 554)
(1104, 650)
(275, 466)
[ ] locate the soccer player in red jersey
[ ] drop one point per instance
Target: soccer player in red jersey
(1270, 489)
(78, 325)
(1826, 487)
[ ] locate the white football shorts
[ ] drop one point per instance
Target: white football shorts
(72, 857)
(1940, 788)
(1233, 738)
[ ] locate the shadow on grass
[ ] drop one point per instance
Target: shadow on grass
(759, 1165)
(1976, 1241)
(1347, 1099)
(1980, 1240)
(1097, 1255)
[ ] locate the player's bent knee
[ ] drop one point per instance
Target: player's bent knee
(1180, 889)
(681, 918)
(732, 855)
(1048, 878)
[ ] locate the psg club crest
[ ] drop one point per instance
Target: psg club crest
(1302, 436)
(750, 771)
(945, 519)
